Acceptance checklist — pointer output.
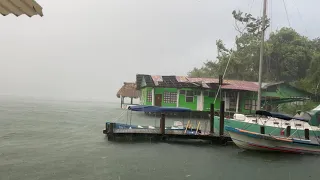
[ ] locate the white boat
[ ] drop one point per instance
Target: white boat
(266, 142)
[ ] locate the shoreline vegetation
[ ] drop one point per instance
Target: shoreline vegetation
(289, 56)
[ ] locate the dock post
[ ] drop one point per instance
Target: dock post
(162, 124)
(122, 100)
(221, 129)
(306, 134)
(110, 131)
(288, 131)
(211, 118)
(262, 130)
(131, 100)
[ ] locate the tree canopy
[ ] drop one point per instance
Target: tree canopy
(288, 56)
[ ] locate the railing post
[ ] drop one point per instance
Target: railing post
(211, 118)
(221, 129)
(306, 134)
(288, 131)
(162, 123)
(262, 129)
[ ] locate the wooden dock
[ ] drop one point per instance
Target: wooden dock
(162, 134)
(156, 135)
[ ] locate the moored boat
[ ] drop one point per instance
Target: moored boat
(246, 139)
(266, 142)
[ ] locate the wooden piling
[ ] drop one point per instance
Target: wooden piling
(221, 129)
(211, 118)
(111, 127)
(110, 131)
(122, 101)
(306, 134)
(262, 130)
(162, 124)
(131, 100)
(288, 131)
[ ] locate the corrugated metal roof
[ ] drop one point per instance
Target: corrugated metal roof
(207, 83)
(240, 85)
(20, 7)
(204, 80)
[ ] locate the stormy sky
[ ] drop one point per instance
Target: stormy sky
(86, 49)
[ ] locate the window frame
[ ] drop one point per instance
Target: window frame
(188, 96)
(149, 96)
(170, 97)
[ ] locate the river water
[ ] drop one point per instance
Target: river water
(42, 139)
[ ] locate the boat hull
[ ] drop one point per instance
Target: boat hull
(260, 142)
(255, 127)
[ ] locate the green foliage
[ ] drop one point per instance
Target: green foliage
(289, 56)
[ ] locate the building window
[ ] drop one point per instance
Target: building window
(232, 99)
(149, 96)
(197, 93)
(183, 92)
(247, 104)
(254, 104)
(170, 97)
(250, 104)
(189, 96)
(205, 93)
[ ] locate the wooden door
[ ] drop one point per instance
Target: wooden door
(158, 100)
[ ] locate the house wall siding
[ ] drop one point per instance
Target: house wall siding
(282, 91)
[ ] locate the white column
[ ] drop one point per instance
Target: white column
(152, 99)
(178, 94)
(202, 101)
(238, 97)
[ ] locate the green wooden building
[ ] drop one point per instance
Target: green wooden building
(198, 93)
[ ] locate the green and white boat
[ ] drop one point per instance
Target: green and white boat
(275, 125)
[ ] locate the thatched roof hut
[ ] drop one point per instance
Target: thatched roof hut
(128, 90)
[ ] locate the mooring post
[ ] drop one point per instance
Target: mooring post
(306, 134)
(131, 100)
(162, 123)
(288, 131)
(221, 129)
(121, 101)
(211, 118)
(262, 129)
(110, 130)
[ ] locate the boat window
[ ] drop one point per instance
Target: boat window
(287, 124)
(298, 124)
(275, 122)
(254, 120)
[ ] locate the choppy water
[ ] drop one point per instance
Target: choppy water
(63, 140)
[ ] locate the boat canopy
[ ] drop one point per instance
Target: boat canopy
(158, 109)
(279, 116)
(317, 108)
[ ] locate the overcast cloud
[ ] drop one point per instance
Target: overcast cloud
(86, 49)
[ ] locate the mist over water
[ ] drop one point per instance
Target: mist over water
(41, 139)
